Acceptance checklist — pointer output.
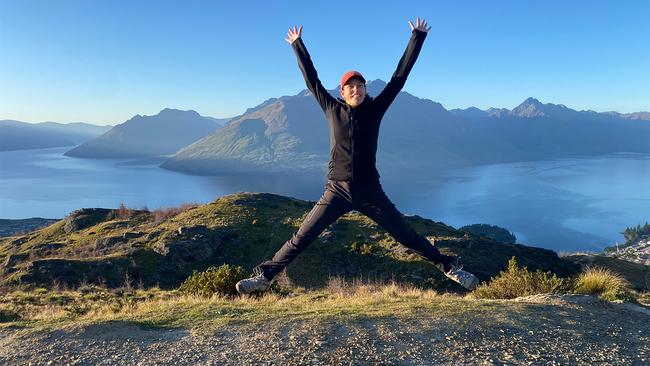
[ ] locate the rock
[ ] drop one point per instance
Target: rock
(13, 259)
(196, 232)
(153, 235)
(19, 241)
(46, 248)
(85, 217)
(132, 235)
(187, 251)
(72, 272)
(108, 242)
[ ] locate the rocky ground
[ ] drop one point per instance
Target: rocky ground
(538, 330)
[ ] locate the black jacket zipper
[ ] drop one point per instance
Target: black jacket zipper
(351, 143)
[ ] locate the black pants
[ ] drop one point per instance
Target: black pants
(339, 198)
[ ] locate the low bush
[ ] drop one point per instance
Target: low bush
(121, 213)
(604, 283)
(214, 280)
(162, 214)
(515, 282)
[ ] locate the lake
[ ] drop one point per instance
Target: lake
(572, 204)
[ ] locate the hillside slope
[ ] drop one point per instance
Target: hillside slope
(103, 246)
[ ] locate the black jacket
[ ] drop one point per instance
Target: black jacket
(354, 130)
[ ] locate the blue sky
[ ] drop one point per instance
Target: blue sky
(105, 61)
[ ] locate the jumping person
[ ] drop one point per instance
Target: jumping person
(353, 180)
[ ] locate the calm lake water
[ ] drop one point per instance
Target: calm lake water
(575, 204)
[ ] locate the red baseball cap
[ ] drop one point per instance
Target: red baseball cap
(349, 75)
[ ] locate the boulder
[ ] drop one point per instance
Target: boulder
(194, 232)
(46, 248)
(102, 244)
(13, 259)
(71, 272)
(187, 251)
(85, 217)
(132, 235)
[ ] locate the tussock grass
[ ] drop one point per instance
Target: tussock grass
(602, 282)
(644, 298)
(592, 280)
(359, 288)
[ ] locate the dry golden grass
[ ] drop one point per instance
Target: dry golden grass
(349, 300)
(163, 214)
(602, 282)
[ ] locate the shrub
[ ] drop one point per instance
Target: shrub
(121, 213)
(162, 214)
(515, 282)
(604, 283)
(219, 280)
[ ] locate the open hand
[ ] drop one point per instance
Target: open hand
(294, 34)
(420, 25)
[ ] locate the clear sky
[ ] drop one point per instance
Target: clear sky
(104, 61)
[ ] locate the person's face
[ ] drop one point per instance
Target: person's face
(354, 92)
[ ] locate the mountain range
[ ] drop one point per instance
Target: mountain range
(17, 135)
(290, 134)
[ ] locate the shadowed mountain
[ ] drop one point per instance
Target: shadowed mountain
(16, 135)
(470, 113)
(143, 136)
(548, 131)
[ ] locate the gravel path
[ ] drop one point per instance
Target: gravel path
(532, 331)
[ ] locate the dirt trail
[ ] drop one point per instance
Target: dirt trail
(535, 331)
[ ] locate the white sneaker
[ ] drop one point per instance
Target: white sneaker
(464, 278)
(258, 283)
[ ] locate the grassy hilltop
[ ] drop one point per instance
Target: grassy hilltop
(162, 248)
(106, 285)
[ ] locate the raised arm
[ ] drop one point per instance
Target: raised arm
(397, 81)
(308, 71)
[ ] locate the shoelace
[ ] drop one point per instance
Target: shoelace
(456, 266)
(257, 271)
